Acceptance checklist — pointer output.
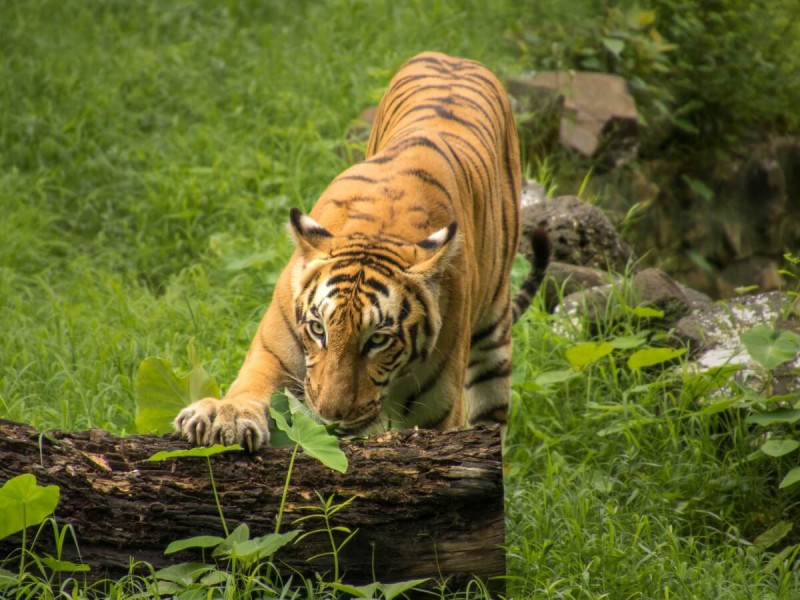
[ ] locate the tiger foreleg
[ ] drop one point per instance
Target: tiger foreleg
(242, 416)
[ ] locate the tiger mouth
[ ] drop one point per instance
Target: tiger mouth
(360, 428)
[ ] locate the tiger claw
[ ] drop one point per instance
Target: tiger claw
(225, 422)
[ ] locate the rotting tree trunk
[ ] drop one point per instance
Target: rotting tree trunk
(428, 504)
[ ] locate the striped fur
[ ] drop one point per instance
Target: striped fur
(395, 309)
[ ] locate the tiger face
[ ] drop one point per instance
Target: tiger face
(366, 311)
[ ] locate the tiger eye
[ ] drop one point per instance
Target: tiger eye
(376, 339)
(316, 328)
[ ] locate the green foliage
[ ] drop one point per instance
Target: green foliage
(586, 353)
(387, 591)
(771, 347)
(699, 70)
(23, 503)
(588, 455)
(160, 393)
(311, 436)
(151, 152)
(198, 452)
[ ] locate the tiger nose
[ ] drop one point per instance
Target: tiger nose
(332, 411)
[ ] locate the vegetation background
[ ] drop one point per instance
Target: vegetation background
(150, 152)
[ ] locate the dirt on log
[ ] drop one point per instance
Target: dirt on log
(427, 504)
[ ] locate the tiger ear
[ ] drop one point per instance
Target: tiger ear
(438, 249)
(311, 238)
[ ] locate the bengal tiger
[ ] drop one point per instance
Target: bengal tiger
(395, 308)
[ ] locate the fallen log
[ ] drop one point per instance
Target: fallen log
(427, 504)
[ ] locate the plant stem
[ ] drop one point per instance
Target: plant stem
(216, 496)
(333, 547)
(286, 489)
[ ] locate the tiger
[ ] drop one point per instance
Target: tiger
(395, 309)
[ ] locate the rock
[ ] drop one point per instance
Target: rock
(563, 280)
(599, 118)
(651, 287)
(712, 334)
(718, 221)
(759, 271)
(655, 289)
(581, 235)
(532, 193)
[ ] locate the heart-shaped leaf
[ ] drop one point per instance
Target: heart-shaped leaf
(649, 357)
(779, 447)
(582, 355)
(160, 393)
(771, 347)
(23, 502)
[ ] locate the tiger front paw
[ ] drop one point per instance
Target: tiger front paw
(211, 421)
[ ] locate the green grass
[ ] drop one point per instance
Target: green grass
(149, 154)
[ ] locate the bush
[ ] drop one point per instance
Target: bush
(703, 71)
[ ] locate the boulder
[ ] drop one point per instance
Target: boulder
(651, 287)
(580, 233)
(712, 334)
(598, 117)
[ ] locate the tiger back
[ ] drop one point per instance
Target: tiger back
(395, 309)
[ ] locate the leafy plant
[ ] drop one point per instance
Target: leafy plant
(160, 393)
(202, 452)
(323, 513)
(242, 550)
(771, 348)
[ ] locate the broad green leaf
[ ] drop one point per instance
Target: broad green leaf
(361, 591)
(791, 478)
(318, 443)
(64, 566)
(771, 347)
(393, 590)
(584, 354)
(216, 578)
(774, 417)
(260, 547)
(630, 341)
(718, 406)
(527, 386)
(779, 447)
(23, 502)
(645, 18)
(313, 437)
(183, 573)
(779, 560)
(160, 393)
(615, 46)
(773, 535)
(649, 357)
(198, 541)
(198, 452)
(646, 312)
(201, 384)
(280, 411)
(240, 534)
(556, 377)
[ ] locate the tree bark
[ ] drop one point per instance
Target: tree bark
(427, 504)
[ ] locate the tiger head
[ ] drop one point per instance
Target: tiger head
(367, 310)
